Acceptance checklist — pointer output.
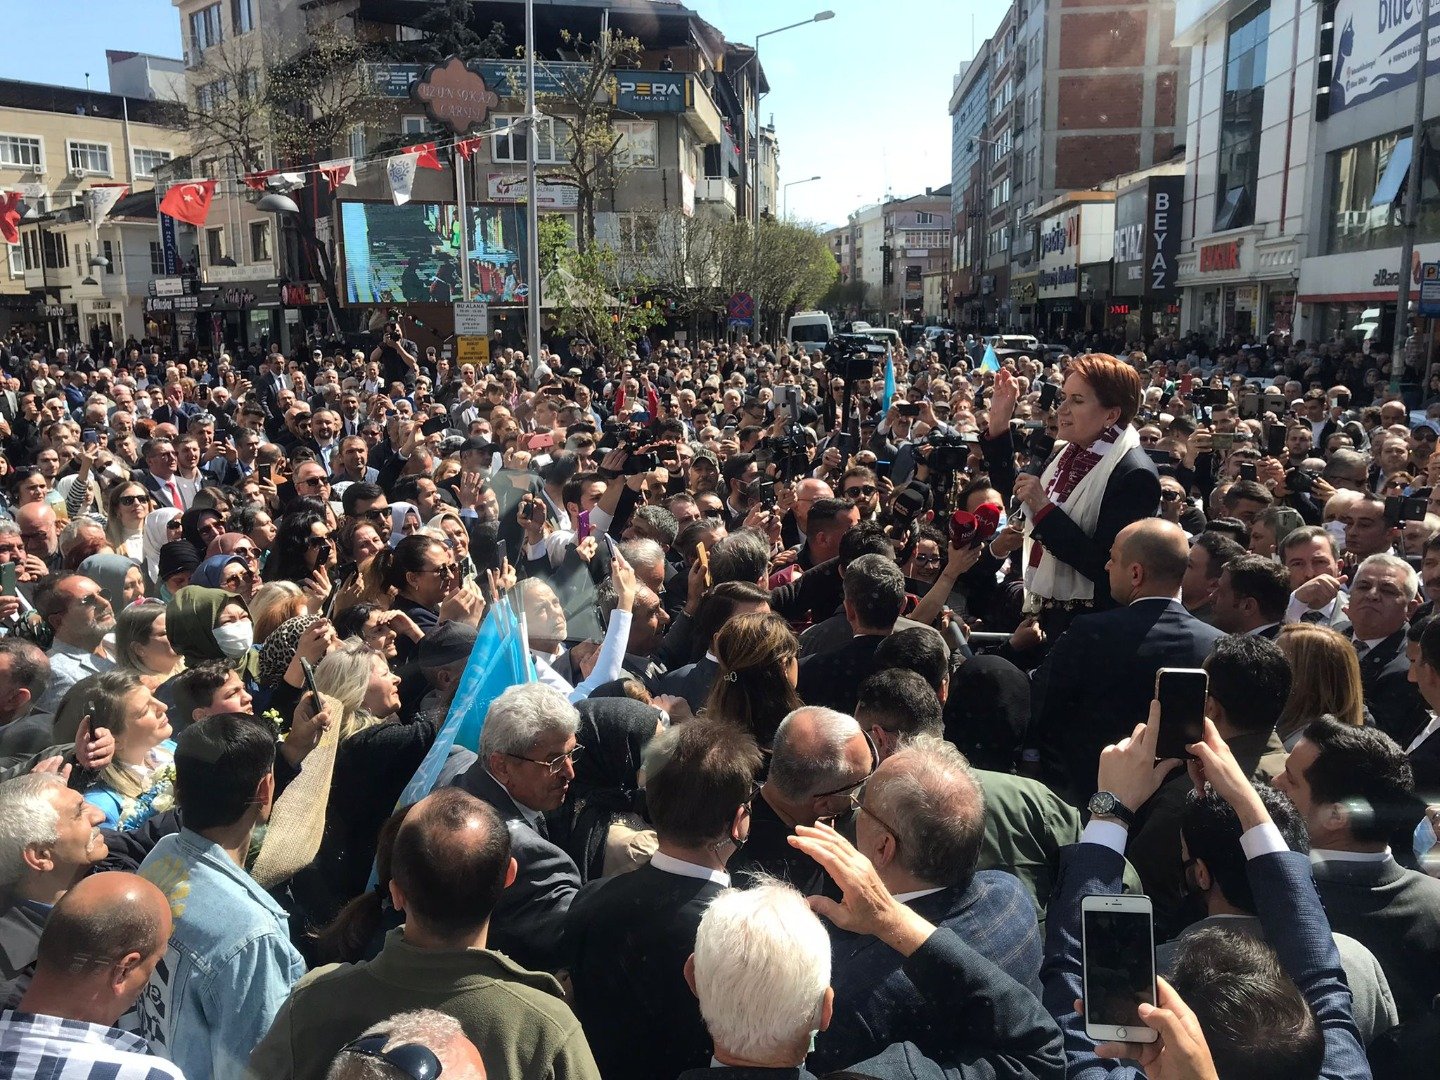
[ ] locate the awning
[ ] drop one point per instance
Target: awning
(1398, 168)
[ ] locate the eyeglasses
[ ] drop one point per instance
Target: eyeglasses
(248, 553)
(133, 500)
(851, 790)
(929, 560)
(879, 821)
(412, 1059)
(317, 541)
(93, 601)
(557, 764)
(313, 482)
(445, 570)
(174, 525)
(860, 492)
(1169, 496)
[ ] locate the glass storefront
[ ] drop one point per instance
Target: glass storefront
(1358, 172)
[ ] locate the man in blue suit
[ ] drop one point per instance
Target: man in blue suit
(921, 823)
(1231, 1011)
(1099, 679)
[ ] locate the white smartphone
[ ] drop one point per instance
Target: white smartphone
(1118, 935)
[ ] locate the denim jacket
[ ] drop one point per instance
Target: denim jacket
(230, 964)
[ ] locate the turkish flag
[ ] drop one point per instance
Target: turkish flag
(426, 158)
(10, 216)
(189, 201)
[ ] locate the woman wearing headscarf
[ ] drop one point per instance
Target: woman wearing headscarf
(157, 532)
(211, 624)
(987, 712)
(448, 524)
(233, 573)
(200, 525)
(599, 824)
(177, 561)
(404, 521)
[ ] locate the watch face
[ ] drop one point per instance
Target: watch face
(1102, 803)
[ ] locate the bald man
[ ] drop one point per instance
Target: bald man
(1100, 677)
(793, 524)
(96, 953)
(40, 531)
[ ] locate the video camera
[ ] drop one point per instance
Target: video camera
(789, 453)
(853, 356)
(948, 453)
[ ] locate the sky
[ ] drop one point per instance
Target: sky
(859, 100)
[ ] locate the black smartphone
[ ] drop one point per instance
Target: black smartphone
(1250, 406)
(502, 554)
(764, 490)
(90, 437)
(907, 408)
(309, 673)
(1181, 693)
(1049, 395)
(434, 425)
(1160, 457)
(1399, 508)
(666, 453)
(1275, 440)
(1118, 966)
(1248, 471)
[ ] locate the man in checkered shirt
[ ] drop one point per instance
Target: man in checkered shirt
(96, 953)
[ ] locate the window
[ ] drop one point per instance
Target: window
(242, 16)
(90, 157)
(30, 242)
(259, 241)
(1241, 108)
(637, 233)
(924, 219)
(215, 245)
(206, 28)
(80, 268)
(157, 257)
(412, 125)
(511, 144)
(21, 151)
(111, 250)
(147, 161)
(17, 260)
(357, 141)
(637, 146)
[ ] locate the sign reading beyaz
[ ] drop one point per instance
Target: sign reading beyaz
(1376, 42)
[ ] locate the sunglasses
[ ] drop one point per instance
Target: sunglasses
(133, 500)
(415, 1061)
(859, 492)
(317, 541)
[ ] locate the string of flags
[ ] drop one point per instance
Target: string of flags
(189, 200)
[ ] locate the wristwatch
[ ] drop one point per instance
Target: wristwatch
(1108, 804)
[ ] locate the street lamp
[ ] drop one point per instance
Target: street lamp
(785, 196)
(819, 16)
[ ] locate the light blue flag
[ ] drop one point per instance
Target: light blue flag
(991, 362)
(889, 380)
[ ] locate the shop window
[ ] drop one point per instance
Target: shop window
(1240, 118)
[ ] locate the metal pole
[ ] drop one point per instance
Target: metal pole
(1412, 200)
(755, 183)
(464, 211)
(532, 204)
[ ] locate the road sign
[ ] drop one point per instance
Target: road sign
(741, 307)
(1430, 290)
(472, 350)
(472, 319)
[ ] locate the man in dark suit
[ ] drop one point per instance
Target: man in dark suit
(1381, 593)
(1216, 974)
(525, 768)
(1250, 597)
(874, 598)
(158, 476)
(1422, 646)
(819, 760)
(1099, 679)
(1355, 789)
(921, 823)
(627, 937)
(768, 937)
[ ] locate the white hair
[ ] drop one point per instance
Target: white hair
(1411, 580)
(522, 716)
(762, 965)
(425, 1027)
(27, 816)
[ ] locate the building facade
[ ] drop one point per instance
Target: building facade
(916, 243)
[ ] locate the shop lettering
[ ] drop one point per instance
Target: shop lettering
(1220, 257)
(1160, 229)
(1130, 243)
(1394, 13)
(652, 89)
(1060, 236)
(1390, 279)
(1052, 279)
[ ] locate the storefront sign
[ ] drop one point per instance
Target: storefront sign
(167, 286)
(1147, 237)
(507, 77)
(393, 80)
(472, 350)
(653, 91)
(1247, 297)
(1060, 234)
(1220, 257)
(1167, 194)
(97, 305)
(170, 244)
(1054, 279)
(173, 303)
(511, 188)
(455, 95)
(1375, 46)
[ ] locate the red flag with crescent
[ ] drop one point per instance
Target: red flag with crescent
(468, 147)
(256, 181)
(10, 216)
(426, 158)
(189, 201)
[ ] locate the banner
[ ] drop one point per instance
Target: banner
(101, 199)
(170, 245)
(1376, 45)
(337, 172)
(511, 187)
(400, 170)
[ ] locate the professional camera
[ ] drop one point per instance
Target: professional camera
(948, 453)
(852, 356)
(788, 452)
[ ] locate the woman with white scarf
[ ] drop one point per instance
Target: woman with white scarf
(1098, 480)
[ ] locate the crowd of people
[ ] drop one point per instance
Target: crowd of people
(846, 695)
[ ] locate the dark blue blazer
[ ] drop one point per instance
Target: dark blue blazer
(876, 1004)
(1295, 927)
(1099, 679)
(1001, 1031)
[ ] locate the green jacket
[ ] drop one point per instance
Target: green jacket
(517, 1018)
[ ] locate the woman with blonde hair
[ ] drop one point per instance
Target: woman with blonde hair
(755, 684)
(126, 508)
(141, 646)
(276, 602)
(1325, 680)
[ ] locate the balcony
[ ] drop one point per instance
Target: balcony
(716, 189)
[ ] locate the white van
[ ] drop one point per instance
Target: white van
(882, 335)
(809, 330)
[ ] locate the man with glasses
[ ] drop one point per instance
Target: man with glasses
(860, 486)
(527, 752)
(311, 481)
(921, 823)
(366, 502)
(78, 612)
(1381, 594)
(820, 761)
(794, 526)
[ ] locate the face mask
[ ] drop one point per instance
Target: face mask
(1004, 521)
(235, 638)
(1423, 843)
(1336, 529)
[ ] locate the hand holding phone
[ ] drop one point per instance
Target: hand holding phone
(1118, 967)
(309, 673)
(1180, 694)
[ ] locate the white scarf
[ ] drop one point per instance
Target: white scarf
(1056, 580)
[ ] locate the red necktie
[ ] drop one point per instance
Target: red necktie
(175, 494)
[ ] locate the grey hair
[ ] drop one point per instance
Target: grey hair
(522, 716)
(9, 527)
(643, 551)
(660, 521)
(1411, 583)
(762, 966)
(820, 766)
(29, 666)
(26, 817)
(71, 532)
(934, 801)
(426, 1027)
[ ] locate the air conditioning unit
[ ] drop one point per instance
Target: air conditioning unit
(38, 169)
(77, 174)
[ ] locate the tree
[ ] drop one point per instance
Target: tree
(315, 97)
(225, 113)
(449, 31)
(589, 299)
